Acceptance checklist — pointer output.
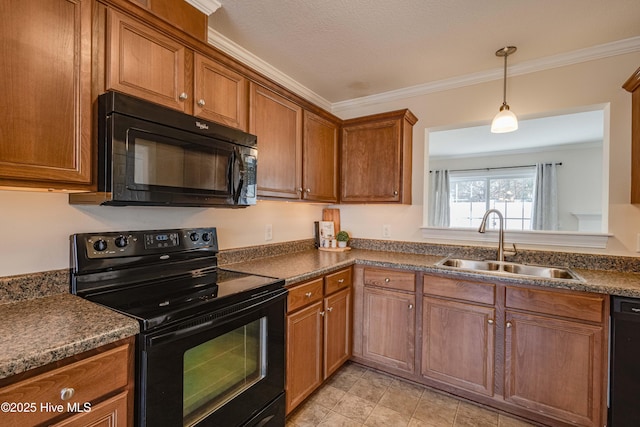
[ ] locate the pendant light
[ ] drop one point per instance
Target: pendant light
(505, 120)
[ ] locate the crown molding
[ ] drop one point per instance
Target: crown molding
(241, 54)
(606, 50)
(205, 6)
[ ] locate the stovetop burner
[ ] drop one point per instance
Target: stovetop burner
(159, 276)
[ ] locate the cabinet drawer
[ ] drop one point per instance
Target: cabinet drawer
(393, 279)
(90, 379)
(337, 281)
(576, 305)
(304, 294)
(483, 293)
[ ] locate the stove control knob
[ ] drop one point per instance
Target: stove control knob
(194, 237)
(100, 245)
(121, 241)
(206, 237)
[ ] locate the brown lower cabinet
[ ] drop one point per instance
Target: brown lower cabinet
(538, 353)
(318, 333)
(91, 389)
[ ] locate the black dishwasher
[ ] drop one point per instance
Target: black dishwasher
(624, 405)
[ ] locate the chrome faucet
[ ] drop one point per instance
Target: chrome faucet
(483, 226)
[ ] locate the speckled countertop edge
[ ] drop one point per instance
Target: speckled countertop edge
(301, 266)
(42, 330)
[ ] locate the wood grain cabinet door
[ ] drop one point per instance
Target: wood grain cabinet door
(277, 122)
(304, 353)
(458, 344)
(320, 159)
(388, 330)
(45, 81)
(220, 94)
(337, 330)
(555, 367)
(145, 63)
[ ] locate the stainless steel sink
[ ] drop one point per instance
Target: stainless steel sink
(510, 268)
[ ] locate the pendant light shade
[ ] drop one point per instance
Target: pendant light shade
(505, 120)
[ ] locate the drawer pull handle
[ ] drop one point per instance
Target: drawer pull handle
(387, 280)
(201, 103)
(183, 96)
(322, 313)
(340, 280)
(410, 306)
(509, 324)
(490, 321)
(67, 393)
(308, 294)
(329, 309)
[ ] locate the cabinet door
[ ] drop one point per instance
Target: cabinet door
(277, 122)
(337, 330)
(45, 126)
(110, 413)
(458, 344)
(145, 63)
(389, 328)
(371, 162)
(220, 94)
(304, 353)
(555, 367)
(320, 159)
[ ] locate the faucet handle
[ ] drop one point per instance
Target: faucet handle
(512, 252)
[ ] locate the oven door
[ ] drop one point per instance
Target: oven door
(222, 369)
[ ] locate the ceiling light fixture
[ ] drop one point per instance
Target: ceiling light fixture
(505, 120)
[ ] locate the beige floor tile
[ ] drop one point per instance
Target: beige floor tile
(354, 369)
(333, 419)
(385, 417)
(328, 396)
(354, 407)
(408, 387)
(402, 400)
(344, 380)
(308, 415)
(371, 389)
(378, 378)
(469, 415)
(507, 421)
(436, 409)
(435, 423)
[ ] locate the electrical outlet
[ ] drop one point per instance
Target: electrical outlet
(386, 230)
(268, 232)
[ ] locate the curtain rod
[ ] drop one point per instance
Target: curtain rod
(503, 167)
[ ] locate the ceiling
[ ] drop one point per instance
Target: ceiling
(346, 49)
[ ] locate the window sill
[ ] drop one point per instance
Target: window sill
(535, 238)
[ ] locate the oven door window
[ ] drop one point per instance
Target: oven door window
(174, 165)
(218, 370)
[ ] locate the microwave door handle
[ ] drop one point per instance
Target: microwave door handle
(238, 173)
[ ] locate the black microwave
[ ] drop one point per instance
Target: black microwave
(149, 155)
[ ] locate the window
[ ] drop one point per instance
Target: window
(510, 190)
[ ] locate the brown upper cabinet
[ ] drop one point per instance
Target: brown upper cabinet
(45, 128)
(148, 64)
(633, 85)
(320, 159)
(376, 158)
(277, 122)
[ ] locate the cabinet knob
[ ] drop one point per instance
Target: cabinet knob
(308, 295)
(340, 280)
(67, 393)
(490, 321)
(307, 190)
(410, 306)
(201, 102)
(183, 96)
(387, 280)
(329, 309)
(509, 324)
(395, 193)
(322, 313)
(299, 189)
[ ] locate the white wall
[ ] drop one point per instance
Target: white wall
(564, 88)
(35, 227)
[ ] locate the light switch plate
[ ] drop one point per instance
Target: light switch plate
(268, 232)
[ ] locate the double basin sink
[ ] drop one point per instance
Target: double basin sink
(510, 268)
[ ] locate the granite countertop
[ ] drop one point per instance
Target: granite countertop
(49, 328)
(300, 266)
(39, 331)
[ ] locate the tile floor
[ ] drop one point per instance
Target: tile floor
(357, 396)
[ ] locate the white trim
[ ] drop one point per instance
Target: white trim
(537, 238)
(244, 56)
(606, 50)
(205, 6)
